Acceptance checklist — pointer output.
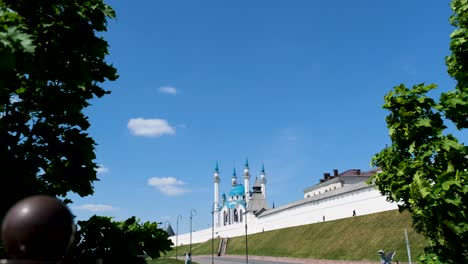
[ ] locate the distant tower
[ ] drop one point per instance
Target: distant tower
(216, 187)
(247, 180)
(234, 178)
(263, 181)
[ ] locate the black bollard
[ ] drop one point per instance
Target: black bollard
(37, 230)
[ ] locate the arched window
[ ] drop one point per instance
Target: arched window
(224, 218)
(236, 216)
(240, 214)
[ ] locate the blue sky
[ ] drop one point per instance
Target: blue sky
(297, 85)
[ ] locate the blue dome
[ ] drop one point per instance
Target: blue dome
(237, 190)
(234, 204)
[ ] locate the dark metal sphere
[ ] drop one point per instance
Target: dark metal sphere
(38, 228)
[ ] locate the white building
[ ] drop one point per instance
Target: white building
(336, 196)
(232, 208)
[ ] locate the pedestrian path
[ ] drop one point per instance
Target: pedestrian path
(264, 259)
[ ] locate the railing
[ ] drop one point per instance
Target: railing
(37, 230)
(222, 246)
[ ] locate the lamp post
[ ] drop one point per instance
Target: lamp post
(246, 245)
(177, 234)
(192, 213)
(212, 233)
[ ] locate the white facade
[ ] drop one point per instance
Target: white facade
(333, 184)
(353, 196)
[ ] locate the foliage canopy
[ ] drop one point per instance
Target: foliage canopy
(52, 63)
(128, 241)
(425, 167)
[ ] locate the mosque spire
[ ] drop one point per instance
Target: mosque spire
(247, 180)
(216, 173)
(234, 177)
(263, 180)
(246, 169)
(216, 188)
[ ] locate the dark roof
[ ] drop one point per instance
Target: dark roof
(356, 172)
(169, 230)
(328, 178)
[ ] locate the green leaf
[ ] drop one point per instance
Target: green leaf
(426, 122)
(446, 185)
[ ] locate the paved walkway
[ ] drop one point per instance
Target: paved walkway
(206, 259)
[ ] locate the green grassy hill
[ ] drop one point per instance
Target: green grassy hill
(357, 238)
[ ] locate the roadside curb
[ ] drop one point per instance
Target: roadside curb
(293, 260)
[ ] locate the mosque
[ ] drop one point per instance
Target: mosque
(245, 210)
(241, 199)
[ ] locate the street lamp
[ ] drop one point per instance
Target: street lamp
(246, 246)
(177, 234)
(212, 233)
(192, 213)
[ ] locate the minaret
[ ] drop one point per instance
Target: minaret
(234, 178)
(247, 180)
(216, 188)
(263, 181)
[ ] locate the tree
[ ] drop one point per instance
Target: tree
(425, 167)
(117, 242)
(52, 63)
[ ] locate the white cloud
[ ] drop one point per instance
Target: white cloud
(95, 208)
(169, 185)
(101, 169)
(150, 127)
(168, 90)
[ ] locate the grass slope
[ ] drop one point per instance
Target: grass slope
(167, 261)
(357, 238)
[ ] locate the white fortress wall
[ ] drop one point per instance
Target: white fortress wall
(205, 234)
(364, 199)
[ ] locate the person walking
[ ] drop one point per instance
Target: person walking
(188, 258)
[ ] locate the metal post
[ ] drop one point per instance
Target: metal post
(408, 246)
(212, 235)
(190, 245)
(246, 245)
(192, 213)
(177, 234)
